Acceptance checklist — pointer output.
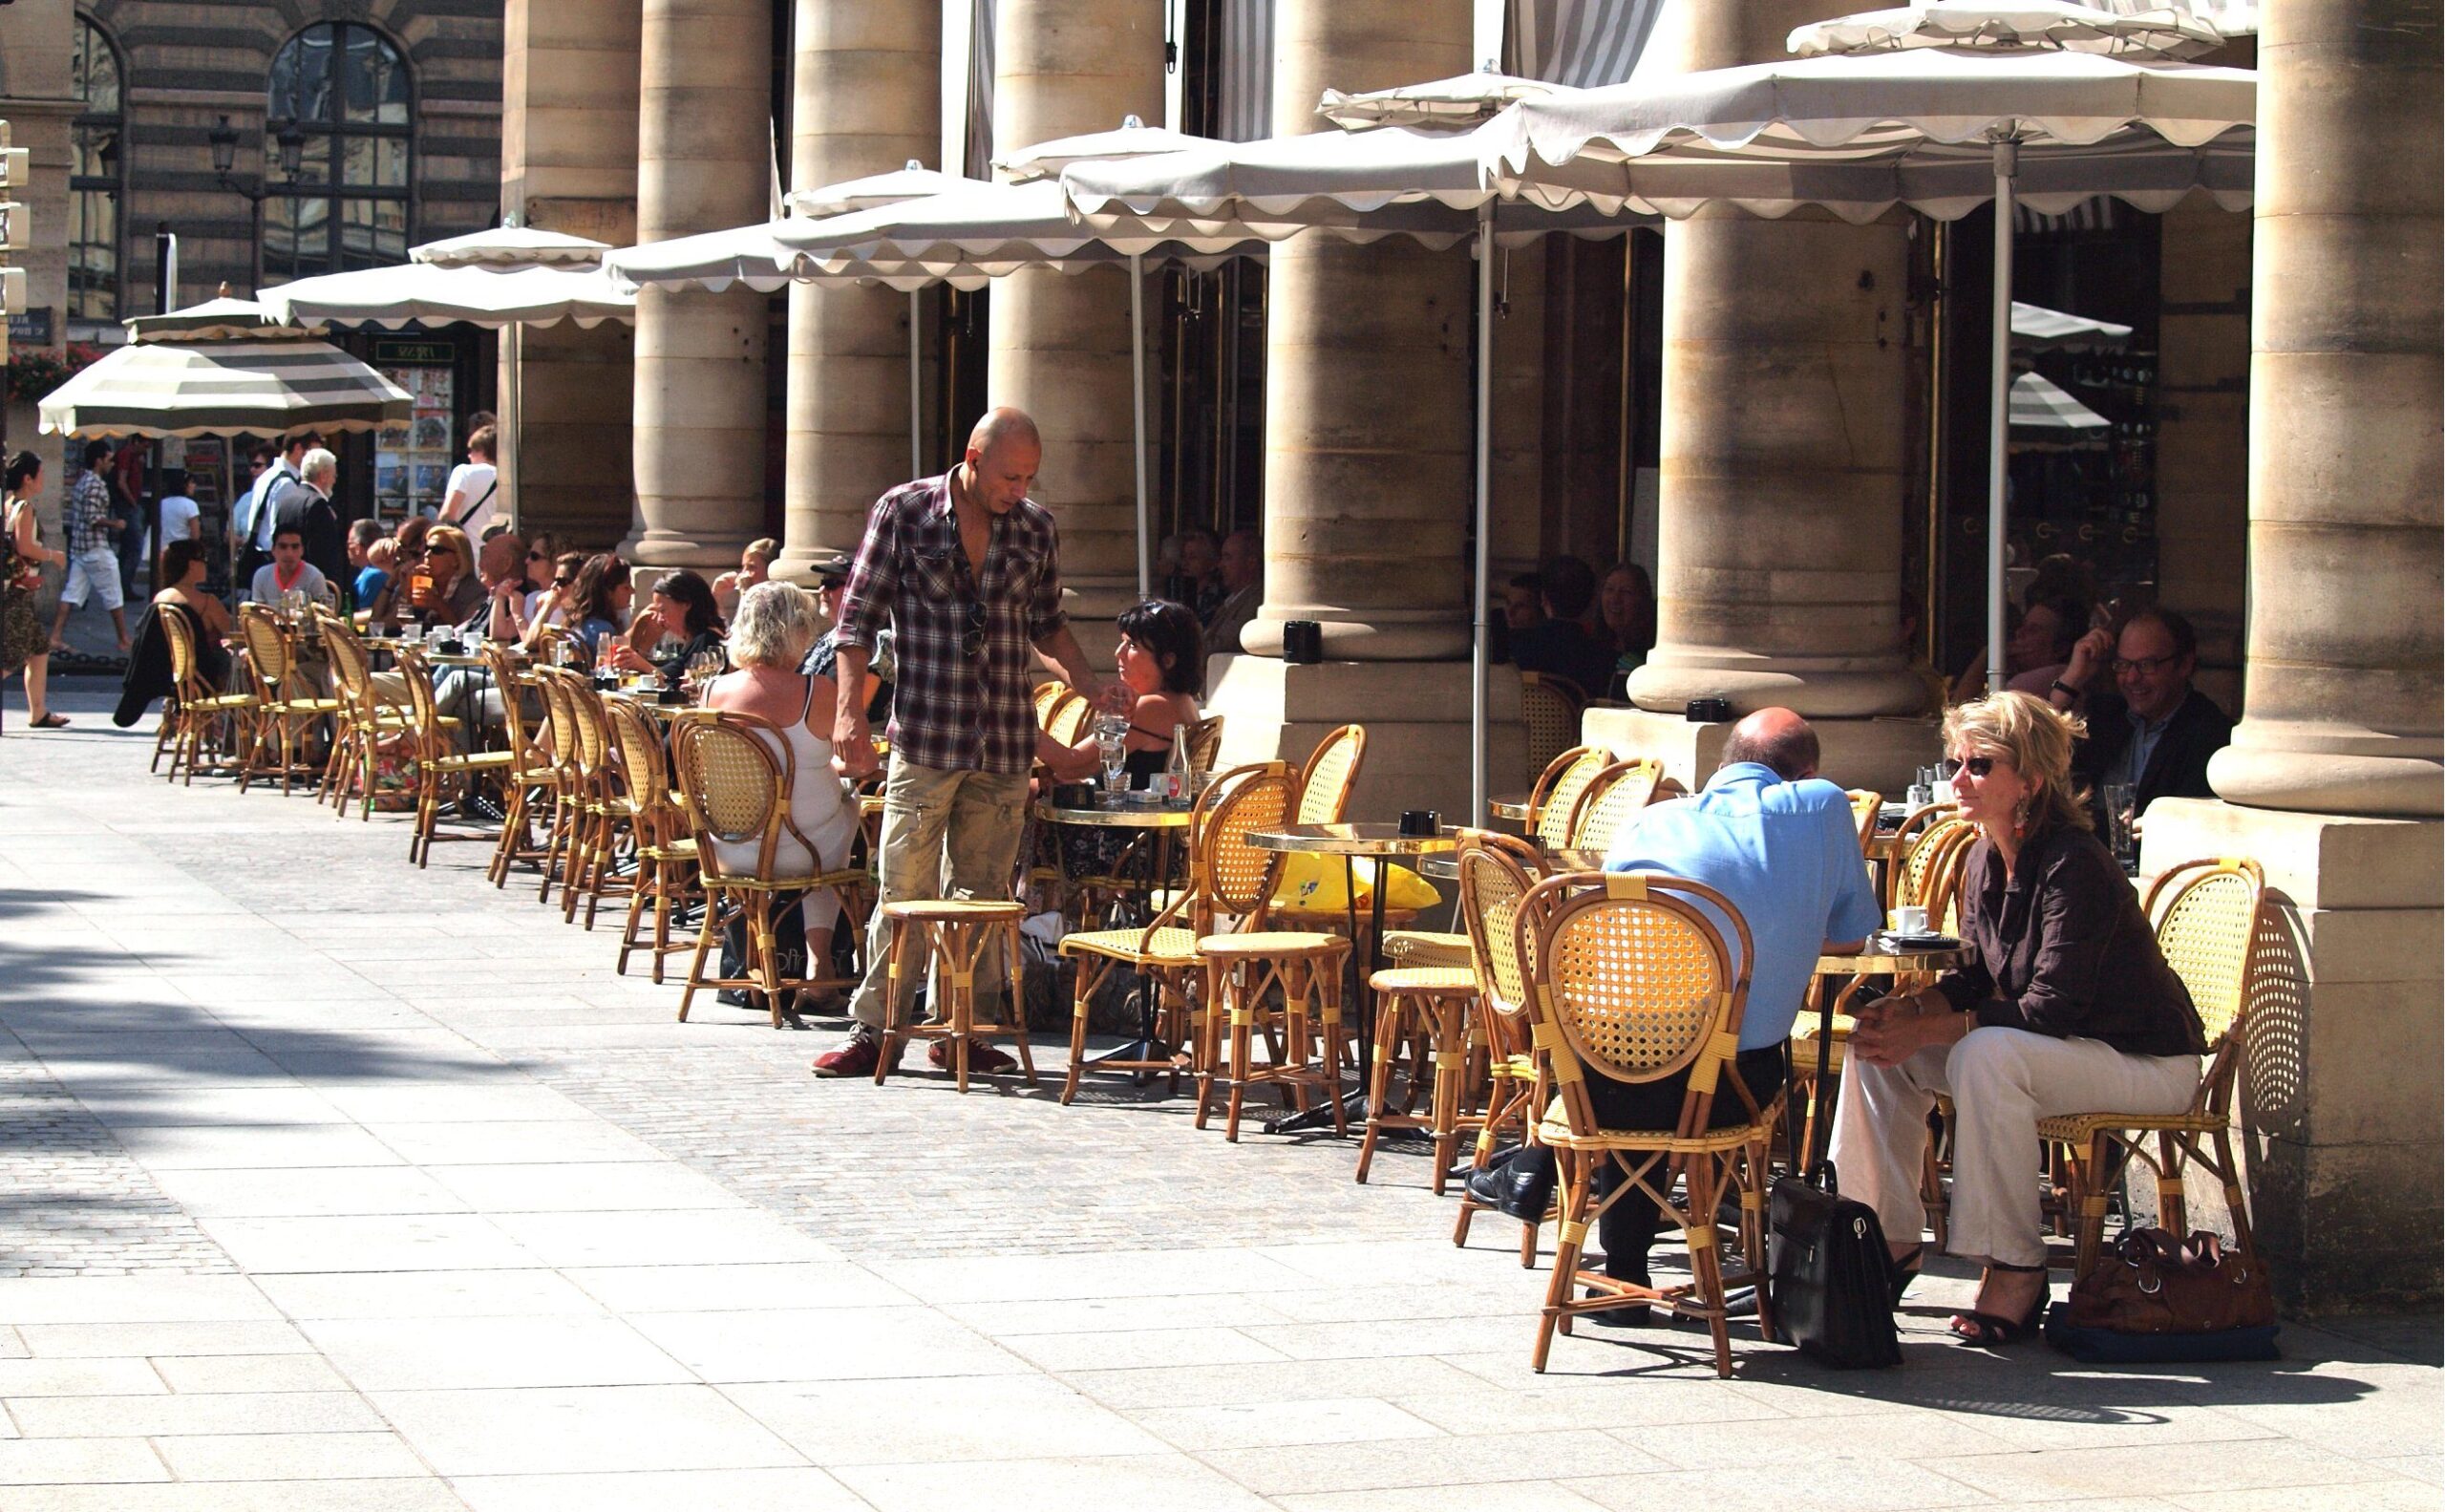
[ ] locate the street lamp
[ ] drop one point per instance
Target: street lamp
(291, 147)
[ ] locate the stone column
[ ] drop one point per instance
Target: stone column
(1368, 438)
(2202, 437)
(1368, 409)
(2334, 780)
(867, 89)
(703, 165)
(570, 163)
(1784, 466)
(1060, 344)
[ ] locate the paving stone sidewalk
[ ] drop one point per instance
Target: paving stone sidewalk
(328, 1182)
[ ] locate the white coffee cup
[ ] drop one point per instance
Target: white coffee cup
(1910, 920)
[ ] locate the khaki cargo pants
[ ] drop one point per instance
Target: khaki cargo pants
(945, 834)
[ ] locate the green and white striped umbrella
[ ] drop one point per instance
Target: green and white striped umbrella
(259, 388)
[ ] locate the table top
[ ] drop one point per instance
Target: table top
(1102, 814)
(1883, 958)
(1350, 840)
(1512, 806)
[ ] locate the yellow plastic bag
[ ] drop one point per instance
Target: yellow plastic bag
(1316, 884)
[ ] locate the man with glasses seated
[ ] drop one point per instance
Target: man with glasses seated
(966, 570)
(2154, 731)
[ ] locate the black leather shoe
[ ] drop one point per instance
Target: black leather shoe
(1630, 1315)
(1522, 1188)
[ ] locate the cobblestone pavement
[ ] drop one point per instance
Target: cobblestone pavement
(471, 1220)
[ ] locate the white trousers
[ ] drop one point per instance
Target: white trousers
(2001, 1083)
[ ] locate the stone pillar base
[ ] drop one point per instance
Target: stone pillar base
(1878, 754)
(1417, 716)
(2340, 1107)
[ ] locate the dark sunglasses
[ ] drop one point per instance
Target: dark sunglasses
(441, 551)
(971, 638)
(1978, 766)
(563, 582)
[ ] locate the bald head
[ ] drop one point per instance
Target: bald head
(1003, 454)
(1776, 738)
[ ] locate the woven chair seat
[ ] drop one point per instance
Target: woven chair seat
(830, 879)
(1555, 1129)
(1269, 941)
(2075, 1128)
(953, 910)
(675, 850)
(480, 761)
(1426, 947)
(1424, 979)
(1165, 947)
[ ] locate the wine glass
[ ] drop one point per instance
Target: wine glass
(1112, 731)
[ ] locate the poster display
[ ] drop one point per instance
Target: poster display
(411, 462)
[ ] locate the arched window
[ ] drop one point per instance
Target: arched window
(346, 89)
(97, 173)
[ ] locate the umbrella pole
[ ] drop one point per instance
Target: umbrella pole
(916, 393)
(1479, 648)
(1138, 420)
(1999, 398)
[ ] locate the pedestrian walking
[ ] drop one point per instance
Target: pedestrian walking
(23, 646)
(966, 568)
(93, 560)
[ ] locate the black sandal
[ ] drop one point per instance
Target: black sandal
(54, 720)
(1906, 1271)
(1986, 1330)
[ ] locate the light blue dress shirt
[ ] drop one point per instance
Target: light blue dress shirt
(1786, 854)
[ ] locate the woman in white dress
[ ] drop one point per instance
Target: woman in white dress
(776, 627)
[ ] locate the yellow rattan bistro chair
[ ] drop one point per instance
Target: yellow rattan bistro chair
(1223, 868)
(200, 718)
(2206, 916)
(285, 705)
(1550, 707)
(534, 772)
(1554, 802)
(1332, 772)
(735, 774)
(1496, 874)
(1631, 979)
(665, 882)
(439, 765)
(1613, 797)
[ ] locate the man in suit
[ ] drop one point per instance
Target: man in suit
(2158, 733)
(305, 502)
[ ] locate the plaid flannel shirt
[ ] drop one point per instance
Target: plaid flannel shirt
(88, 510)
(951, 710)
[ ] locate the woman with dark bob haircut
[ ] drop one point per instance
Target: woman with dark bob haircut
(680, 614)
(1161, 661)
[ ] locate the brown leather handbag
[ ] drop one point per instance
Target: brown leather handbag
(2149, 1282)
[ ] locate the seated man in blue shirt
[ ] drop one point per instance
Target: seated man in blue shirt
(1779, 842)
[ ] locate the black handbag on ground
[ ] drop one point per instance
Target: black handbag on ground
(1828, 1269)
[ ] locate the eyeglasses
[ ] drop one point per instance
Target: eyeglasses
(563, 583)
(1978, 766)
(2144, 666)
(971, 639)
(451, 552)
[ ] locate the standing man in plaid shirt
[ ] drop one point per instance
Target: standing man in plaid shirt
(966, 569)
(93, 560)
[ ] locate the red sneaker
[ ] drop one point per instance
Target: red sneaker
(983, 1059)
(856, 1056)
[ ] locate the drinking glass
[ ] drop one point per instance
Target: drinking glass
(1111, 731)
(2121, 799)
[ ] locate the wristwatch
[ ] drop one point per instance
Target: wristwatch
(2061, 687)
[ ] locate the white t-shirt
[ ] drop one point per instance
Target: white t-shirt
(179, 514)
(468, 482)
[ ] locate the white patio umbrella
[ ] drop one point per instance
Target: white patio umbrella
(511, 247)
(1948, 106)
(435, 293)
(2040, 404)
(222, 368)
(1431, 186)
(2038, 328)
(982, 231)
(750, 255)
(1464, 99)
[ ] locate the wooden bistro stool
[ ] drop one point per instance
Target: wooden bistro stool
(961, 932)
(1240, 971)
(1429, 1007)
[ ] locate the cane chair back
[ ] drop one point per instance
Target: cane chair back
(1865, 808)
(510, 681)
(1232, 876)
(424, 715)
(735, 785)
(1554, 802)
(1067, 723)
(1332, 772)
(1204, 744)
(1550, 708)
(1929, 866)
(351, 668)
(1613, 795)
(181, 638)
(637, 749)
(1047, 698)
(2206, 915)
(267, 648)
(1496, 874)
(1635, 981)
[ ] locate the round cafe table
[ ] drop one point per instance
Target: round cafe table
(1379, 841)
(1512, 806)
(1147, 1053)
